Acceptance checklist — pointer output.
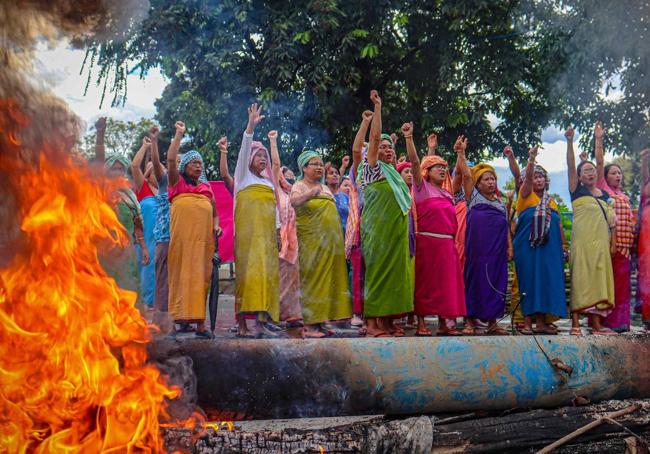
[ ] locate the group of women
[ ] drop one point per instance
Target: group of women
(389, 239)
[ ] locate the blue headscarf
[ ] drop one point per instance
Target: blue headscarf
(188, 157)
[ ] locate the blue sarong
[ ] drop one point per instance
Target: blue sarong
(149, 207)
(540, 270)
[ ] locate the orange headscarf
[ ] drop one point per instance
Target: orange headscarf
(430, 161)
(479, 169)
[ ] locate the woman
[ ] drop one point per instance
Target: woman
(384, 234)
(539, 254)
(289, 271)
(194, 225)
(256, 247)
(324, 288)
(610, 180)
(333, 181)
(121, 261)
(147, 189)
(488, 248)
(353, 251)
(592, 279)
(644, 241)
(438, 277)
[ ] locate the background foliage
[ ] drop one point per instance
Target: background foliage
(497, 71)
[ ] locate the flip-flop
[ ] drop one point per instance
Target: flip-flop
(468, 331)
(449, 333)
(204, 334)
(398, 333)
(313, 334)
(426, 333)
(575, 332)
(362, 331)
(273, 327)
(525, 331)
(497, 332)
(604, 332)
(246, 336)
(382, 334)
(550, 331)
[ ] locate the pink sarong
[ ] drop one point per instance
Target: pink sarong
(619, 318)
(439, 288)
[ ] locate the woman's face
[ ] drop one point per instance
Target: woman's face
(333, 178)
(386, 151)
(346, 186)
(193, 169)
(314, 169)
(259, 163)
(588, 175)
(407, 175)
(539, 182)
(437, 174)
(487, 184)
(615, 177)
(289, 175)
(117, 169)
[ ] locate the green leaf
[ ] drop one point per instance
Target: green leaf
(359, 33)
(302, 37)
(370, 51)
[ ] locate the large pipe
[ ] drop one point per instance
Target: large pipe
(335, 377)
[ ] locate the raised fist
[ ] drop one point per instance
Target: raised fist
(374, 97)
(569, 133)
(180, 127)
(507, 151)
(407, 129)
(273, 135)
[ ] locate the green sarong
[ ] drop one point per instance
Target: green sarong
(389, 278)
(324, 290)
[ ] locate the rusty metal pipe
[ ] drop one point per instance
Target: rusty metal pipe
(336, 377)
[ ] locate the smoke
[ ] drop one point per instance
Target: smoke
(37, 116)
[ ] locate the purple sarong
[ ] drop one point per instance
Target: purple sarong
(486, 262)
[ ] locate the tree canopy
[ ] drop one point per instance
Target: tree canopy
(450, 67)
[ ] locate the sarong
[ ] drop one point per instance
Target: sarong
(540, 270)
(289, 290)
(189, 259)
(592, 278)
(643, 276)
(161, 294)
(619, 318)
(121, 262)
(149, 207)
(486, 262)
(461, 218)
(389, 272)
(439, 288)
(256, 252)
(324, 290)
(358, 275)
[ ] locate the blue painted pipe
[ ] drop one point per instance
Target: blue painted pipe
(336, 377)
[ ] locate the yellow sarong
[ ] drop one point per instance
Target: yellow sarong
(592, 278)
(324, 287)
(256, 252)
(190, 256)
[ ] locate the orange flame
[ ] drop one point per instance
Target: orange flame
(73, 371)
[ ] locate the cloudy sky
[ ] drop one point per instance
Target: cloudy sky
(60, 68)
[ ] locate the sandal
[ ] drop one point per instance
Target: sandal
(423, 333)
(398, 332)
(547, 330)
(576, 332)
(382, 334)
(604, 332)
(449, 332)
(468, 331)
(204, 334)
(496, 330)
(307, 334)
(362, 331)
(326, 332)
(525, 331)
(246, 336)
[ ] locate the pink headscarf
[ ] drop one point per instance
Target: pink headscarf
(403, 165)
(255, 148)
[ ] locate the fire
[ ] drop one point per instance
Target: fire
(73, 371)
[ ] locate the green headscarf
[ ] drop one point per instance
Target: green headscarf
(388, 137)
(117, 157)
(304, 158)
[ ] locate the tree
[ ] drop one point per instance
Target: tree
(123, 137)
(445, 65)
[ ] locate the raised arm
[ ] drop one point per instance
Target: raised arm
(571, 159)
(599, 132)
(407, 130)
(158, 168)
(100, 133)
(254, 117)
(527, 186)
(645, 171)
(172, 153)
(136, 163)
(459, 147)
(514, 166)
(222, 144)
(457, 181)
(275, 158)
(432, 143)
(345, 163)
(360, 138)
(375, 130)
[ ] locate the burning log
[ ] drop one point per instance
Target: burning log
(515, 432)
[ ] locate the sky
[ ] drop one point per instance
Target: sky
(59, 68)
